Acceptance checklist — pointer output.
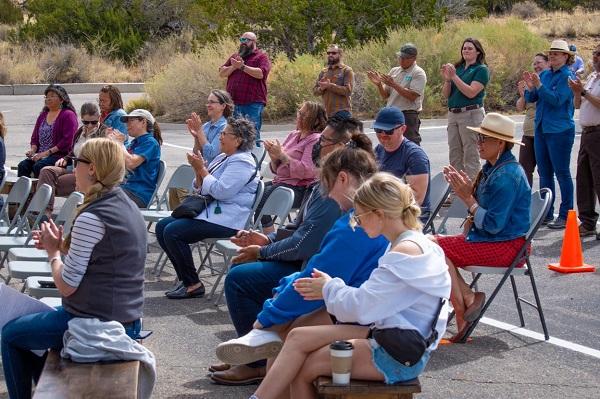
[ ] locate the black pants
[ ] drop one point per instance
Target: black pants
(27, 166)
(413, 123)
(588, 176)
(527, 158)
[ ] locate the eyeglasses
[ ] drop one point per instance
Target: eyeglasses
(355, 219)
(245, 40)
(224, 132)
(213, 102)
(89, 122)
(77, 160)
(386, 132)
(481, 138)
(332, 52)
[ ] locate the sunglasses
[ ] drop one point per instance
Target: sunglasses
(355, 219)
(332, 52)
(77, 160)
(245, 40)
(89, 122)
(481, 138)
(386, 132)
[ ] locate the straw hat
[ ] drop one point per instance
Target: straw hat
(497, 126)
(560, 45)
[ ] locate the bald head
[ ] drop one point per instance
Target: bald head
(250, 36)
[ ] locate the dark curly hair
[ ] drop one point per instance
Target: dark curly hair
(243, 129)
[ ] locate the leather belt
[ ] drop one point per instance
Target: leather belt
(464, 109)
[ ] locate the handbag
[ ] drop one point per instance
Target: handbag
(192, 206)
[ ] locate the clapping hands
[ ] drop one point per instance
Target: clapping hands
(531, 79)
(461, 183)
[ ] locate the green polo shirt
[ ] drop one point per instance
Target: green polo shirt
(476, 72)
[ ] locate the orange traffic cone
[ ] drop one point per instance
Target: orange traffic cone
(571, 256)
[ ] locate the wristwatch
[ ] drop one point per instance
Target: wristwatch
(583, 93)
(243, 67)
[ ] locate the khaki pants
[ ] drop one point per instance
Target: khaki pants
(61, 181)
(462, 142)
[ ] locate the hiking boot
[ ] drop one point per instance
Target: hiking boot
(583, 232)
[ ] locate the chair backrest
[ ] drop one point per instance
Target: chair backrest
(36, 209)
(67, 211)
(162, 170)
(18, 195)
(182, 178)
(278, 204)
(540, 203)
(439, 189)
(458, 210)
(260, 190)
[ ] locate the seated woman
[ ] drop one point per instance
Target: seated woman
(100, 277)
(498, 202)
(412, 274)
(292, 162)
(53, 132)
(230, 179)
(111, 109)
(142, 155)
(219, 107)
(60, 176)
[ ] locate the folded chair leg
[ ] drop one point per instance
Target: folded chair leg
(517, 301)
(162, 266)
(155, 268)
(537, 301)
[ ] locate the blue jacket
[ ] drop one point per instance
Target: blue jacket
(504, 199)
(349, 255)
(554, 102)
(113, 120)
(321, 214)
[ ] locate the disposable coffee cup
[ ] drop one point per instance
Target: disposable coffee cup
(341, 362)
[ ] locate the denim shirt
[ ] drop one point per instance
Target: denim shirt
(113, 120)
(554, 102)
(504, 199)
(212, 148)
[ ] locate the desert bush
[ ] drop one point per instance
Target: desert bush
(156, 55)
(10, 13)
(139, 103)
(526, 10)
(579, 23)
(509, 45)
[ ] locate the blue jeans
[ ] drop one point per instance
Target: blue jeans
(253, 112)
(176, 235)
(38, 331)
(27, 166)
(248, 286)
(553, 156)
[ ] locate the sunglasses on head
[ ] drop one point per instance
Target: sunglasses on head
(77, 160)
(89, 122)
(245, 40)
(386, 132)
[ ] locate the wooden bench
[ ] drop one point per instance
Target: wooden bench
(366, 389)
(62, 378)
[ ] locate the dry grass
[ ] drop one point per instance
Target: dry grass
(569, 25)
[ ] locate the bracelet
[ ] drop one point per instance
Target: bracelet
(51, 260)
(583, 93)
(473, 208)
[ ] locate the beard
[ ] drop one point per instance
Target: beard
(245, 50)
(332, 61)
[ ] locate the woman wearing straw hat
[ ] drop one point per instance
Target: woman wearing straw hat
(498, 202)
(554, 126)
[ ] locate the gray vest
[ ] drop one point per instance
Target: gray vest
(113, 285)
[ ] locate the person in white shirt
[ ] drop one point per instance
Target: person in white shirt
(587, 99)
(412, 274)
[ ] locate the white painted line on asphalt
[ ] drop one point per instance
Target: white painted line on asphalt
(540, 337)
(177, 146)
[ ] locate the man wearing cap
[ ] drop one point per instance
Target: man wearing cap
(246, 72)
(402, 157)
(335, 83)
(577, 67)
(587, 99)
(403, 87)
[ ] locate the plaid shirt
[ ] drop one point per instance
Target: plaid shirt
(337, 97)
(245, 89)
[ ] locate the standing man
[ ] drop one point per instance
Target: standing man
(402, 157)
(403, 88)
(335, 83)
(246, 74)
(587, 99)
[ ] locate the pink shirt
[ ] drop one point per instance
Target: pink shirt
(300, 170)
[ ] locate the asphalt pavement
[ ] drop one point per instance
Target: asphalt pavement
(501, 361)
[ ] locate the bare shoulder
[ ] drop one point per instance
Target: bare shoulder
(408, 247)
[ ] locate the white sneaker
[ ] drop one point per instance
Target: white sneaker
(256, 345)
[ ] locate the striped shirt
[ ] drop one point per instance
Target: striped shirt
(337, 97)
(87, 231)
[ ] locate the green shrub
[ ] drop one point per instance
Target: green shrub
(10, 13)
(139, 103)
(526, 10)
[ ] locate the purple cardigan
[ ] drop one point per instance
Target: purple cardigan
(63, 130)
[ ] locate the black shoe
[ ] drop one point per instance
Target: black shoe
(558, 224)
(178, 286)
(547, 220)
(182, 293)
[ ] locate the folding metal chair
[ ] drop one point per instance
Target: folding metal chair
(458, 210)
(439, 189)
(540, 203)
(17, 196)
(279, 205)
(182, 178)
(259, 153)
(162, 170)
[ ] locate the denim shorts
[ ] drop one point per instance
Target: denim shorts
(394, 371)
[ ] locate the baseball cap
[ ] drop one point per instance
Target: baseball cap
(407, 51)
(139, 113)
(388, 118)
